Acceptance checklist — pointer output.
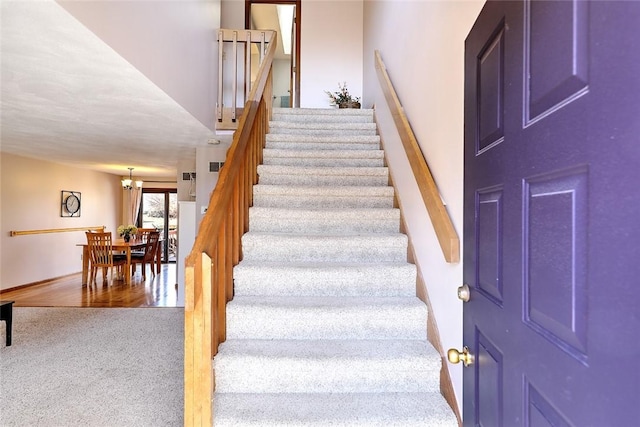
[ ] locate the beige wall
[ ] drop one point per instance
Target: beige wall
(422, 45)
(30, 199)
(332, 42)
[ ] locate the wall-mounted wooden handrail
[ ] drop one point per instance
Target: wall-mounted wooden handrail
(442, 224)
(55, 230)
(216, 250)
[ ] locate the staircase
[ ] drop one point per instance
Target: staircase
(325, 328)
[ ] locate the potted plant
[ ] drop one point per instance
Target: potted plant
(126, 231)
(342, 98)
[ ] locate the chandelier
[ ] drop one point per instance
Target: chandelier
(127, 184)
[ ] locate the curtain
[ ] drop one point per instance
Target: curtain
(135, 197)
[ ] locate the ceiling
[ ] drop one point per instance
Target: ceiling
(67, 97)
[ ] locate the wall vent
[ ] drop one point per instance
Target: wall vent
(215, 166)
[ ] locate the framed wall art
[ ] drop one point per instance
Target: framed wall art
(70, 203)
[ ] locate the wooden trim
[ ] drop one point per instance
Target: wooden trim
(433, 334)
(39, 282)
(298, 24)
(55, 230)
(442, 224)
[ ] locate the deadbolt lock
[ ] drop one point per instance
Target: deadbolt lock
(465, 356)
(464, 293)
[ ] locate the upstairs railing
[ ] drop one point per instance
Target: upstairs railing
(240, 53)
(446, 234)
(216, 250)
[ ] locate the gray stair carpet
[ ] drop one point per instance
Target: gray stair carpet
(325, 328)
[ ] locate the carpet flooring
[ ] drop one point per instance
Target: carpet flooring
(93, 367)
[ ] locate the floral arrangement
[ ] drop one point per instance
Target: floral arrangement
(342, 98)
(127, 230)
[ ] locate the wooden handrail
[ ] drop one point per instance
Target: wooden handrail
(216, 250)
(55, 230)
(442, 224)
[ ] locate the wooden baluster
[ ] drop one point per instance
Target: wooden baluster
(247, 67)
(220, 103)
(234, 86)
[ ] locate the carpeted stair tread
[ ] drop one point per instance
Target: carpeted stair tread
(324, 158)
(272, 153)
(368, 248)
(321, 220)
(321, 118)
(327, 139)
(314, 176)
(323, 162)
(336, 171)
(333, 409)
(313, 197)
(277, 126)
(308, 366)
(335, 141)
(315, 190)
(321, 317)
(324, 111)
(325, 130)
(377, 213)
(328, 146)
(324, 279)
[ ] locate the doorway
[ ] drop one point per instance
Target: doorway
(159, 210)
(284, 17)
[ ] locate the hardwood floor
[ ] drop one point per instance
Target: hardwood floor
(158, 291)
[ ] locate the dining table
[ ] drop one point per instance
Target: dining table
(120, 245)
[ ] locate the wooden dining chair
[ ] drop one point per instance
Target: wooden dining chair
(142, 235)
(148, 256)
(101, 256)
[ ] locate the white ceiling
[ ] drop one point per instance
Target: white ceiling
(67, 97)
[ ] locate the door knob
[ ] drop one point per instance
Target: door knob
(455, 356)
(464, 293)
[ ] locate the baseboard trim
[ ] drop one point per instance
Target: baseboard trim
(433, 334)
(39, 282)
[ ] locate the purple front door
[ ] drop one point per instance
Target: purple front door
(552, 214)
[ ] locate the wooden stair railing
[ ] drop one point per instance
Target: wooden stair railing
(442, 224)
(216, 250)
(231, 43)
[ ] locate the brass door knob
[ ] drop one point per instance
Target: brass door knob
(464, 293)
(465, 357)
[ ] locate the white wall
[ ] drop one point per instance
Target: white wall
(232, 14)
(171, 42)
(331, 49)
(206, 181)
(422, 45)
(31, 200)
(185, 189)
